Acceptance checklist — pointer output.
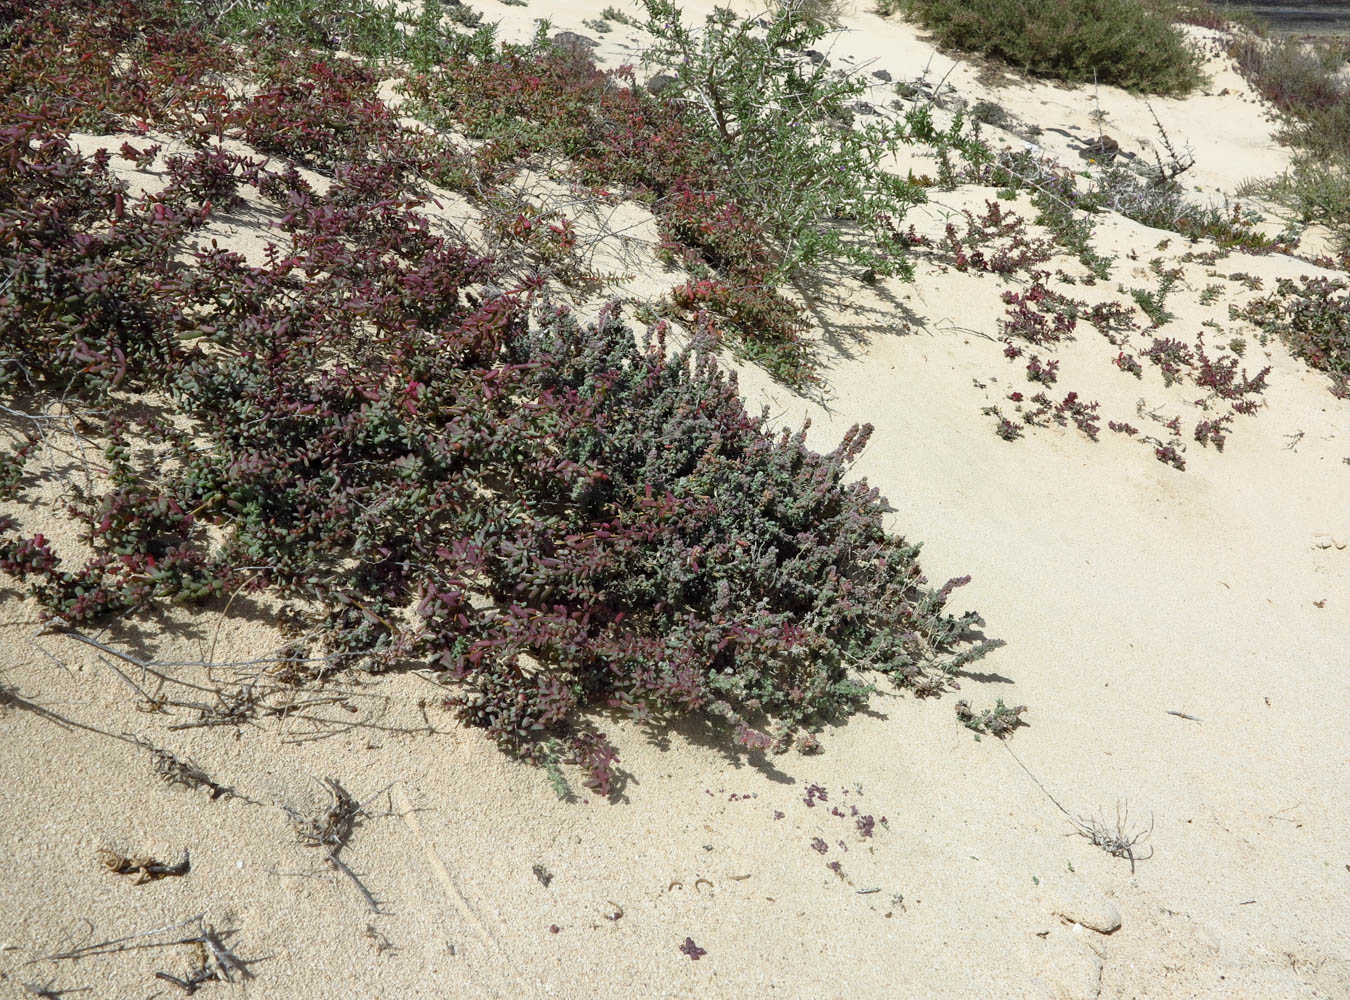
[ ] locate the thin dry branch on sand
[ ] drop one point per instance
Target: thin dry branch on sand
(333, 828)
(1118, 841)
(174, 771)
(218, 959)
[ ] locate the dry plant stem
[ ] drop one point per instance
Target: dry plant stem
(1117, 843)
(1176, 166)
(334, 828)
(193, 982)
(179, 772)
(226, 964)
(124, 943)
(215, 637)
(228, 709)
(146, 869)
(149, 665)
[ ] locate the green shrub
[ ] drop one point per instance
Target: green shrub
(786, 134)
(1125, 43)
(823, 12)
(374, 30)
(1302, 80)
(1294, 75)
(1318, 190)
(1218, 16)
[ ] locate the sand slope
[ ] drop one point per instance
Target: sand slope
(1127, 591)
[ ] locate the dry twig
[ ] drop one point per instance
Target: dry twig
(333, 828)
(1117, 842)
(145, 868)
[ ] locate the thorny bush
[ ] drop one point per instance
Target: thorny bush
(788, 136)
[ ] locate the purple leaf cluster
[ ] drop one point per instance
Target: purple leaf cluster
(1312, 316)
(1039, 315)
(556, 518)
(1046, 373)
(995, 242)
(692, 950)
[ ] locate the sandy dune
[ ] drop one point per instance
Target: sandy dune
(1180, 640)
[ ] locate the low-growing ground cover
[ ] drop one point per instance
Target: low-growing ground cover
(1312, 317)
(435, 463)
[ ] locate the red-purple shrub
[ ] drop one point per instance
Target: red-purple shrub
(1039, 315)
(1168, 455)
(105, 65)
(1112, 320)
(317, 111)
(995, 242)
(1070, 408)
(1046, 373)
(1312, 317)
(617, 136)
(1172, 356)
(554, 517)
(1219, 375)
(1214, 431)
(1129, 363)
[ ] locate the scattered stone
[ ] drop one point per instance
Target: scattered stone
(574, 44)
(659, 83)
(882, 75)
(1079, 903)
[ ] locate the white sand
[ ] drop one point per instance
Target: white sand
(1126, 590)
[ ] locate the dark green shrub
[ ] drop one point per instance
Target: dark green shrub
(1125, 43)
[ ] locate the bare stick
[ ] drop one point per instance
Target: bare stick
(334, 828)
(1117, 843)
(211, 655)
(122, 943)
